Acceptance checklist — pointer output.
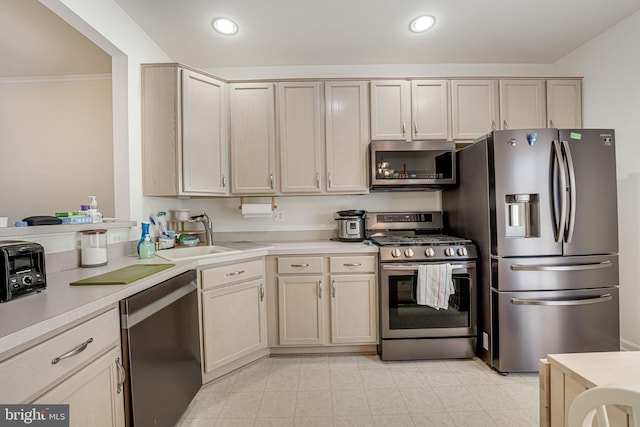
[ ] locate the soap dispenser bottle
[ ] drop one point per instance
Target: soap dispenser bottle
(96, 216)
(147, 248)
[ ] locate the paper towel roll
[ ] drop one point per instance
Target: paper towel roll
(256, 210)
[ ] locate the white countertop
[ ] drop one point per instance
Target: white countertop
(30, 317)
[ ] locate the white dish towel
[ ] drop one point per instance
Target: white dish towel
(435, 285)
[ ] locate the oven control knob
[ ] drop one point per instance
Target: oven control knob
(449, 252)
(463, 252)
(395, 252)
(408, 253)
(429, 252)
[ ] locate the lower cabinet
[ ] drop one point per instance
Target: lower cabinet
(320, 306)
(234, 314)
(80, 366)
(94, 394)
(301, 310)
(354, 311)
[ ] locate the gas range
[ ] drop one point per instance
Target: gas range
(416, 236)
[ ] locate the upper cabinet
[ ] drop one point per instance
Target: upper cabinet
(346, 136)
(522, 104)
(430, 109)
(184, 134)
(296, 138)
(253, 138)
(564, 103)
(475, 110)
(390, 109)
(300, 121)
(409, 110)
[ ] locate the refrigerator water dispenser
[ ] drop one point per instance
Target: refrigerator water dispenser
(522, 215)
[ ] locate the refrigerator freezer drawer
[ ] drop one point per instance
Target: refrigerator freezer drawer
(555, 273)
(530, 325)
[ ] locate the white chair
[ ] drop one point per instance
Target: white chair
(591, 402)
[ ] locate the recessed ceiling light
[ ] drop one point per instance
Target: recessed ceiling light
(225, 26)
(422, 23)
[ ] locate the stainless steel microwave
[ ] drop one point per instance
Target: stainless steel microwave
(412, 165)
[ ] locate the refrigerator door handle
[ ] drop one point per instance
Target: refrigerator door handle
(562, 219)
(573, 267)
(572, 192)
(596, 300)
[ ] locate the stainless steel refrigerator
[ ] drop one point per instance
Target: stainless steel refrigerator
(541, 206)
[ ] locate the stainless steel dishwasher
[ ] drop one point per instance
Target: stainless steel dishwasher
(161, 351)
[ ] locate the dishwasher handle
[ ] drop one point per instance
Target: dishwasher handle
(145, 304)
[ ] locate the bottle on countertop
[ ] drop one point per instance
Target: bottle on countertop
(95, 214)
(145, 233)
(147, 248)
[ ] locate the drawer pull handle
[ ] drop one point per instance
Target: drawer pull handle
(300, 265)
(122, 376)
(352, 264)
(261, 292)
(235, 273)
(333, 288)
(320, 289)
(79, 349)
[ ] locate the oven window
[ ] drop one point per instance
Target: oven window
(405, 313)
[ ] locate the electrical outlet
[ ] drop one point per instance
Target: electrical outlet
(485, 341)
(278, 215)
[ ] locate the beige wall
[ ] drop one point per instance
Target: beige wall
(55, 145)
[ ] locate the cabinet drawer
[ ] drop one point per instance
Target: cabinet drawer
(218, 276)
(31, 372)
(352, 264)
(298, 265)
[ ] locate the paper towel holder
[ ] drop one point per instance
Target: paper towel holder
(273, 203)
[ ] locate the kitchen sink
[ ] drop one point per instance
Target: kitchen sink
(194, 252)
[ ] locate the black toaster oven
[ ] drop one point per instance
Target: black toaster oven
(22, 269)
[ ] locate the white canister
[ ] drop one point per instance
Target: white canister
(94, 248)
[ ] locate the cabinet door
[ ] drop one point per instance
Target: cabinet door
(234, 323)
(523, 104)
(301, 310)
(430, 109)
(474, 107)
(300, 137)
(94, 394)
(564, 104)
(253, 152)
(390, 109)
(347, 136)
(204, 145)
(354, 310)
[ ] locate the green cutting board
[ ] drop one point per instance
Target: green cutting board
(124, 275)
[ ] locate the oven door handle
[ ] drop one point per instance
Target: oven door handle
(415, 267)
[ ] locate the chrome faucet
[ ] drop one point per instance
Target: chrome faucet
(208, 226)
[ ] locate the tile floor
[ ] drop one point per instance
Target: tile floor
(364, 391)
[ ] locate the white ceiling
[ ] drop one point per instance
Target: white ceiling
(352, 32)
(35, 42)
